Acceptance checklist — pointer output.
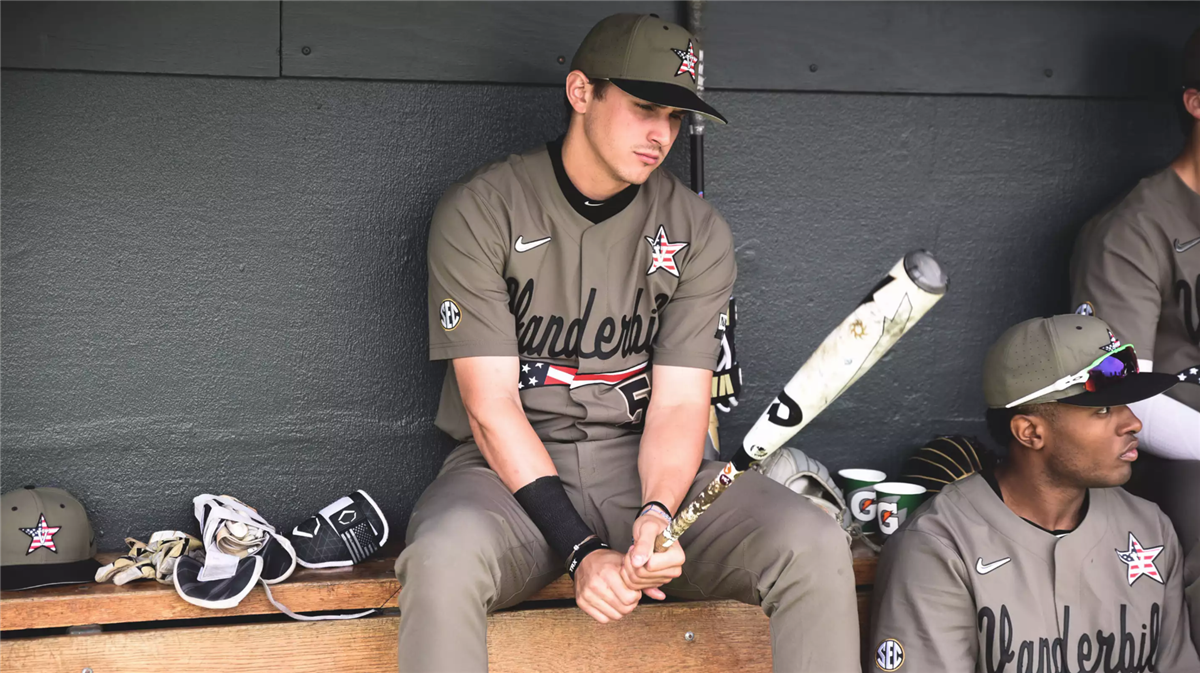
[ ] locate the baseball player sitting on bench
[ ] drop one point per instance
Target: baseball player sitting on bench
(1041, 563)
(566, 284)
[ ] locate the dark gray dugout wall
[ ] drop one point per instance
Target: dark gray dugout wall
(213, 248)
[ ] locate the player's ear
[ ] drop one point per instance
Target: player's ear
(1191, 102)
(1028, 431)
(578, 90)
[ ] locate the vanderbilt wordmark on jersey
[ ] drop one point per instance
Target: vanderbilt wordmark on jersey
(967, 585)
(515, 270)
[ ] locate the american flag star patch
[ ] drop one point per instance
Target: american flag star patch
(663, 251)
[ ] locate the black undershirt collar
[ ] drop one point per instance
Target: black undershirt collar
(595, 212)
(989, 474)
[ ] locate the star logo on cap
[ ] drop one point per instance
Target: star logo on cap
(1140, 560)
(1113, 343)
(41, 536)
(662, 253)
(687, 61)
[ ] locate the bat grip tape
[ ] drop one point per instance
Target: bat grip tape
(545, 501)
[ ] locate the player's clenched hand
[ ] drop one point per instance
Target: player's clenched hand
(599, 590)
(642, 568)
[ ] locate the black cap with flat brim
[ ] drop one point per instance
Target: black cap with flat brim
(668, 95)
(1133, 388)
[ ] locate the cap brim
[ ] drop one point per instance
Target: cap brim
(17, 578)
(1134, 388)
(669, 95)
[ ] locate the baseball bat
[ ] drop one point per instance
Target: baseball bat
(887, 313)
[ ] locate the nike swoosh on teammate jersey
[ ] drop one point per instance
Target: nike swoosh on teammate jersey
(1186, 246)
(984, 569)
(522, 246)
(589, 203)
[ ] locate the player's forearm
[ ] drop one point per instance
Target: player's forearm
(508, 442)
(671, 450)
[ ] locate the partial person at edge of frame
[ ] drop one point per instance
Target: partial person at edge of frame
(1136, 265)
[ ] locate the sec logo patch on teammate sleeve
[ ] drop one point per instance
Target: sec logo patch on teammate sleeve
(889, 656)
(450, 315)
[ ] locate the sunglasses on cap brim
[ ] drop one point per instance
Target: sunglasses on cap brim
(1105, 372)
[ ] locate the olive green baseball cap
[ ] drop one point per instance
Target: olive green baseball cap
(1037, 354)
(648, 58)
(45, 539)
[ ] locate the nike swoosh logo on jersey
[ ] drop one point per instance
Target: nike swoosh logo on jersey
(522, 246)
(589, 203)
(1186, 246)
(984, 569)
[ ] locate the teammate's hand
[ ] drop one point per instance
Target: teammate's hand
(599, 590)
(645, 570)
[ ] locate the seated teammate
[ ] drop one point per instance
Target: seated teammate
(579, 292)
(1136, 266)
(1040, 563)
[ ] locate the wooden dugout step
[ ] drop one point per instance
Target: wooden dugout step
(726, 636)
(368, 585)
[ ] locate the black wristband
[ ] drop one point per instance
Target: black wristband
(546, 502)
(666, 510)
(581, 550)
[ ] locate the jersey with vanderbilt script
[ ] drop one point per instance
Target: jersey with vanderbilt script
(967, 585)
(1136, 266)
(587, 307)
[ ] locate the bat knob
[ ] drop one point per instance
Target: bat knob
(924, 271)
(661, 543)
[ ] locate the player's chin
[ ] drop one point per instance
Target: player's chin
(637, 175)
(1117, 476)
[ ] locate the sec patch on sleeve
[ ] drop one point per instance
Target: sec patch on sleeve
(450, 315)
(889, 656)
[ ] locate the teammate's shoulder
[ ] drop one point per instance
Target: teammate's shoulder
(1123, 504)
(496, 183)
(1138, 211)
(498, 174)
(957, 506)
(666, 188)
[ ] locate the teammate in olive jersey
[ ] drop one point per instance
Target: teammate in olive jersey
(1137, 266)
(1041, 563)
(580, 293)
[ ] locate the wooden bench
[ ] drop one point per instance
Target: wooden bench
(145, 625)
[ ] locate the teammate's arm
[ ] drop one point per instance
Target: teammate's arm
(671, 450)
(498, 422)
(685, 352)
(923, 616)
